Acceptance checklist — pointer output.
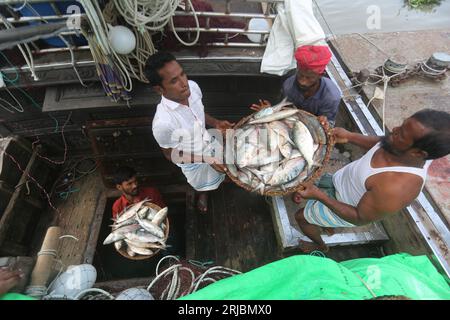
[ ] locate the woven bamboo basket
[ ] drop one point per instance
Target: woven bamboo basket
(322, 154)
(123, 251)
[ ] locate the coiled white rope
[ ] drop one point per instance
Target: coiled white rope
(172, 291)
(100, 30)
(197, 24)
(96, 290)
(154, 15)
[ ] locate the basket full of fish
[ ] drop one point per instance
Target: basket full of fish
(140, 231)
(274, 150)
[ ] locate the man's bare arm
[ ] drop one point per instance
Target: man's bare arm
(382, 199)
(344, 136)
(210, 121)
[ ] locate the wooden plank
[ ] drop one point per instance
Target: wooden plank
(236, 232)
(8, 213)
(404, 236)
(76, 215)
(89, 253)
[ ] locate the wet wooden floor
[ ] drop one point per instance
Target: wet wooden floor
(237, 232)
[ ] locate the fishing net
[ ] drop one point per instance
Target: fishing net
(316, 278)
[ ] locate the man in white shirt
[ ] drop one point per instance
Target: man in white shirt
(179, 126)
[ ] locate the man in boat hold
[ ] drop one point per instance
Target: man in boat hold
(181, 114)
(126, 182)
(385, 180)
(308, 89)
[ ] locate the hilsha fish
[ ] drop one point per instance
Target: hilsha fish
(139, 230)
(275, 116)
(275, 150)
(304, 142)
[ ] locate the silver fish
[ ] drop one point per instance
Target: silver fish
(285, 148)
(147, 245)
(315, 128)
(139, 250)
(299, 179)
(150, 214)
(245, 155)
(130, 212)
(282, 130)
(244, 178)
(160, 216)
(130, 252)
(151, 227)
(304, 142)
(270, 110)
(142, 212)
(119, 234)
(128, 222)
(233, 170)
(142, 236)
(288, 172)
(118, 244)
(275, 116)
(113, 237)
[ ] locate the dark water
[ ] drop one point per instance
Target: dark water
(349, 16)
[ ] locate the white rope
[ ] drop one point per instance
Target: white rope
(96, 290)
(197, 24)
(69, 236)
(431, 71)
(20, 8)
(24, 50)
(100, 30)
(68, 45)
(224, 270)
(150, 15)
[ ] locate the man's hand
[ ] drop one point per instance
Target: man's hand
(262, 104)
(223, 125)
(341, 135)
(309, 191)
(9, 279)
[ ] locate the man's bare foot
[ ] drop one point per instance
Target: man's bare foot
(202, 202)
(308, 247)
(297, 198)
(329, 231)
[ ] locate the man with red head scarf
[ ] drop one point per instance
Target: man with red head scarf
(308, 89)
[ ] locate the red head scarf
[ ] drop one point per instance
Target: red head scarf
(314, 58)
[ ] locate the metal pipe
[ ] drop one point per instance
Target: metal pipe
(230, 15)
(43, 18)
(29, 1)
(222, 30)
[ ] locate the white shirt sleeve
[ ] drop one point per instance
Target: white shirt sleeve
(162, 131)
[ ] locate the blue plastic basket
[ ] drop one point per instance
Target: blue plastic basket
(45, 9)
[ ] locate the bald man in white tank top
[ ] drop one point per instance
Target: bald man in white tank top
(385, 180)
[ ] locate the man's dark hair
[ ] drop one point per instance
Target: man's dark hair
(437, 141)
(155, 63)
(123, 174)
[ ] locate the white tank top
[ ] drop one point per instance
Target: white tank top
(350, 181)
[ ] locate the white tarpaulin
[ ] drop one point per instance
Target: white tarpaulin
(294, 26)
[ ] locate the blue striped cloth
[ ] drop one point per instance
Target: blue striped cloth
(319, 214)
